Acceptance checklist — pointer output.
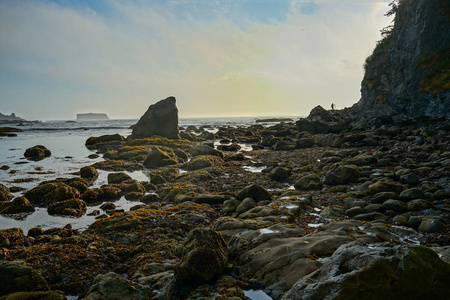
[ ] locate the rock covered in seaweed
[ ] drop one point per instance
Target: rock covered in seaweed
(204, 256)
(38, 152)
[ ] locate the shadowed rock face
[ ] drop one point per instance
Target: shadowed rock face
(160, 119)
(407, 74)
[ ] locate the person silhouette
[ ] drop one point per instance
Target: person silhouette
(332, 106)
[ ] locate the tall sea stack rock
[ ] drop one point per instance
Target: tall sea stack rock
(408, 73)
(160, 119)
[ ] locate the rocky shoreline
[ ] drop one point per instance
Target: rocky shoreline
(324, 208)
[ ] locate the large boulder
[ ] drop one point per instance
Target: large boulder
(204, 256)
(356, 271)
(160, 119)
(38, 152)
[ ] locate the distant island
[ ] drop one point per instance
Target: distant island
(12, 117)
(91, 117)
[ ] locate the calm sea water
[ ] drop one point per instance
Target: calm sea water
(66, 139)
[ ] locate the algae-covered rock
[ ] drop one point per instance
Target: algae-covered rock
(18, 205)
(342, 174)
(159, 158)
(309, 182)
(71, 207)
(357, 271)
(38, 152)
(203, 161)
(280, 173)
(203, 256)
(254, 191)
(89, 173)
(118, 177)
(12, 237)
(36, 194)
(64, 192)
(206, 150)
(113, 286)
(117, 165)
(5, 194)
(16, 277)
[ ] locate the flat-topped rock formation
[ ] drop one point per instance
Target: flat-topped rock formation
(91, 117)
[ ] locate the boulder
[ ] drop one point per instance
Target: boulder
(206, 150)
(254, 191)
(159, 158)
(71, 207)
(309, 182)
(342, 174)
(119, 177)
(17, 277)
(203, 161)
(36, 153)
(280, 173)
(104, 139)
(160, 119)
(89, 173)
(203, 255)
(18, 205)
(5, 194)
(113, 286)
(64, 192)
(357, 271)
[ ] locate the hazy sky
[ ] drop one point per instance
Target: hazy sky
(217, 57)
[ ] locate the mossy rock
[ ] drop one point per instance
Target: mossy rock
(159, 158)
(203, 161)
(5, 194)
(16, 277)
(117, 165)
(18, 205)
(118, 177)
(156, 141)
(61, 193)
(89, 173)
(36, 194)
(38, 152)
(204, 256)
(71, 207)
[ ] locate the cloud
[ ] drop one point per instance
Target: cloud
(137, 53)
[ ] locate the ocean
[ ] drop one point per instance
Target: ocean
(66, 139)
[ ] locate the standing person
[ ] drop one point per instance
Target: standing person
(332, 106)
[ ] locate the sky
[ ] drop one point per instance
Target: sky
(219, 58)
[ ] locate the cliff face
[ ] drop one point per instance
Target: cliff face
(409, 72)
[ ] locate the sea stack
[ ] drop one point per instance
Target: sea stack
(160, 119)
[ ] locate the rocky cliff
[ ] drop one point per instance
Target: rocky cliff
(408, 73)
